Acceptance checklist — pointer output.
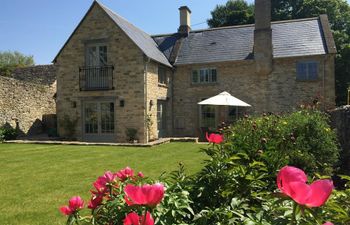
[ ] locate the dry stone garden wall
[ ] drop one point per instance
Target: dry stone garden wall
(340, 119)
(26, 97)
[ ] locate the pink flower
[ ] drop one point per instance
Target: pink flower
(110, 177)
(140, 174)
(328, 223)
(75, 204)
(292, 182)
(101, 183)
(150, 195)
(95, 201)
(65, 210)
(215, 138)
(125, 174)
(134, 219)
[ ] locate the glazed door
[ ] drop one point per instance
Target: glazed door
(99, 121)
(161, 118)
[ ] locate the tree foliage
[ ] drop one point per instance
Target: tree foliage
(10, 60)
(338, 12)
(235, 12)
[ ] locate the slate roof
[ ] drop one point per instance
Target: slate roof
(290, 38)
(139, 37)
(303, 37)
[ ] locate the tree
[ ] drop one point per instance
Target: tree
(235, 12)
(338, 12)
(11, 60)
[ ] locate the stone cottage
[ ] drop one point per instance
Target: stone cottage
(113, 77)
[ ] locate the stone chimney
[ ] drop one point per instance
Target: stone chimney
(185, 20)
(263, 49)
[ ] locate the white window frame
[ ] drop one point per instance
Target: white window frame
(204, 76)
(98, 62)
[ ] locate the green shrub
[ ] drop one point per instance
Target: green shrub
(52, 132)
(69, 124)
(167, 202)
(303, 139)
(2, 136)
(227, 182)
(236, 183)
(131, 134)
(8, 133)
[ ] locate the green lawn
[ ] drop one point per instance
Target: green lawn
(35, 180)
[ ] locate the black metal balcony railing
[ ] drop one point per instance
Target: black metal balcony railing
(96, 78)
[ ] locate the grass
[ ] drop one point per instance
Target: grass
(35, 180)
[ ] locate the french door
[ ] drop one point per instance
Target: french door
(96, 55)
(99, 121)
(161, 118)
(96, 71)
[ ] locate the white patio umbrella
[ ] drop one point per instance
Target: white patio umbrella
(224, 98)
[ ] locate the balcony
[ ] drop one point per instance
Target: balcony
(96, 78)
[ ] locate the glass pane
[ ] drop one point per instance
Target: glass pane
(162, 75)
(103, 55)
(161, 115)
(194, 76)
(92, 58)
(213, 75)
(208, 116)
(206, 76)
(107, 118)
(91, 118)
(301, 71)
(232, 111)
(202, 75)
(313, 71)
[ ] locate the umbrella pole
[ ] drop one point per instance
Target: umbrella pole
(236, 113)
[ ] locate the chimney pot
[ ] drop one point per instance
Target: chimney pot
(185, 20)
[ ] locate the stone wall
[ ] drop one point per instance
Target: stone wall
(158, 92)
(340, 121)
(41, 74)
(279, 91)
(27, 95)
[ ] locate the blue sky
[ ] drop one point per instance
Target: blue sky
(41, 27)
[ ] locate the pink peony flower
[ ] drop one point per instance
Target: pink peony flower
(140, 174)
(75, 204)
(101, 183)
(328, 223)
(134, 219)
(110, 177)
(65, 210)
(292, 182)
(95, 201)
(125, 174)
(215, 138)
(150, 195)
